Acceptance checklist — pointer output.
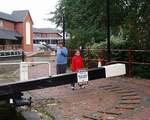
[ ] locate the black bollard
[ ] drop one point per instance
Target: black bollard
(23, 56)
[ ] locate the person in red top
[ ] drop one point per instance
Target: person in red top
(76, 64)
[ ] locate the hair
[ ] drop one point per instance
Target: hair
(77, 50)
(62, 43)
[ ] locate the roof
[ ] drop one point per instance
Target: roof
(45, 30)
(9, 34)
(7, 17)
(19, 15)
(15, 16)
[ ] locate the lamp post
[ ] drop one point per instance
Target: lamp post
(108, 30)
(63, 27)
(63, 23)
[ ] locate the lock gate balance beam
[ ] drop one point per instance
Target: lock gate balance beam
(9, 90)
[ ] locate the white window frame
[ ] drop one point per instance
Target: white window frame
(28, 33)
(1, 23)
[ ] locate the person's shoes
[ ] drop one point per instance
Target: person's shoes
(73, 88)
(82, 86)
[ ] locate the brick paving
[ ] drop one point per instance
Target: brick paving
(39, 70)
(104, 99)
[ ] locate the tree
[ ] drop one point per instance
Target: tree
(81, 23)
(86, 20)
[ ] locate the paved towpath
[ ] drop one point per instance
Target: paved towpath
(104, 99)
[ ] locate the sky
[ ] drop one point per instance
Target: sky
(39, 10)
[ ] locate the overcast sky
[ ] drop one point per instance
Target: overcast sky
(39, 9)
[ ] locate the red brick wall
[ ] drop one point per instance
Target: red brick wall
(9, 25)
(21, 28)
(43, 35)
(35, 34)
(47, 35)
(55, 35)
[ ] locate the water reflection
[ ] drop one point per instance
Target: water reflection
(37, 67)
(39, 59)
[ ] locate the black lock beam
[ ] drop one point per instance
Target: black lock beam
(8, 90)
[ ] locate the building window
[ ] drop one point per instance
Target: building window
(35, 41)
(28, 33)
(1, 24)
(53, 41)
(37, 35)
(49, 42)
(48, 35)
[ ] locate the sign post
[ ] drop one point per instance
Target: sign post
(82, 76)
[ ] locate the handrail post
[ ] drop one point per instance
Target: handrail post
(69, 55)
(130, 63)
(23, 56)
(88, 57)
(101, 56)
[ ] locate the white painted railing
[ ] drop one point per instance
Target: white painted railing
(26, 69)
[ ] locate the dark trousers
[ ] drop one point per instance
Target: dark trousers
(61, 68)
(73, 84)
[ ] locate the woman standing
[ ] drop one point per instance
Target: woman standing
(61, 58)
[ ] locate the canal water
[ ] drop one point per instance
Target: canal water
(9, 113)
(37, 67)
(6, 112)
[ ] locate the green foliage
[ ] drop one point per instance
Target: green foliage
(142, 71)
(86, 22)
(116, 42)
(83, 19)
(136, 22)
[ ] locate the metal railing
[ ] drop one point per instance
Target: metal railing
(127, 56)
(10, 47)
(10, 53)
(24, 71)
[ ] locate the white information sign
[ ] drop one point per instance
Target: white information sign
(82, 76)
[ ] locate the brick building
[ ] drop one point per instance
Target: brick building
(16, 31)
(47, 35)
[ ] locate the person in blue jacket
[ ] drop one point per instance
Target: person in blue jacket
(61, 58)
